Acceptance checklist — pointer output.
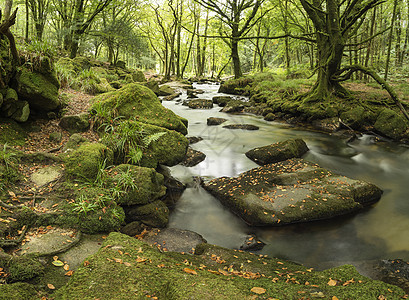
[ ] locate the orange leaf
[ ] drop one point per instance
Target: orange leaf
(332, 282)
(190, 271)
(50, 286)
(258, 290)
(127, 264)
(69, 273)
(335, 298)
(66, 267)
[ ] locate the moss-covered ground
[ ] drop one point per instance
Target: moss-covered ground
(126, 268)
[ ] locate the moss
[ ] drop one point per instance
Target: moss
(391, 124)
(155, 214)
(354, 117)
(85, 162)
(12, 133)
(138, 76)
(24, 268)
(235, 86)
(20, 290)
(139, 271)
(148, 184)
(139, 102)
(37, 90)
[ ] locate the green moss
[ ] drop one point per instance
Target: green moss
(137, 185)
(85, 162)
(24, 268)
(139, 102)
(12, 133)
(235, 86)
(19, 290)
(138, 271)
(391, 124)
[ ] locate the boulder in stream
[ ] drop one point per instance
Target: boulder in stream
(200, 104)
(278, 152)
(215, 121)
(193, 157)
(291, 191)
(242, 126)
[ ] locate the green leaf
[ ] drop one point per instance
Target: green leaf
(58, 263)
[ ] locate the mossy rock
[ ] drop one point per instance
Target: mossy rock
(138, 76)
(152, 85)
(235, 86)
(83, 62)
(85, 162)
(37, 90)
(149, 185)
(68, 65)
(155, 214)
(278, 152)
(354, 117)
(139, 102)
(23, 268)
(18, 290)
(235, 106)
(75, 123)
(165, 90)
(391, 124)
(74, 142)
(200, 104)
(221, 100)
(214, 273)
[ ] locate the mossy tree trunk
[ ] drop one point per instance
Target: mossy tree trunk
(334, 21)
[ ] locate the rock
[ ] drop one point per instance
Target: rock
(327, 125)
(132, 228)
(354, 117)
(191, 94)
(50, 242)
(55, 137)
(152, 85)
(391, 124)
(135, 100)
(74, 142)
(270, 117)
(174, 188)
(177, 240)
(18, 290)
(222, 100)
(252, 243)
(193, 157)
(75, 123)
(215, 121)
(165, 90)
(155, 214)
(291, 191)
(38, 90)
(85, 162)
(171, 97)
(234, 106)
(139, 185)
(22, 111)
(394, 272)
(200, 104)
(194, 139)
(138, 76)
(121, 64)
(278, 152)
(242, 126)
(235, 86)
(46, 175)
(11, 95)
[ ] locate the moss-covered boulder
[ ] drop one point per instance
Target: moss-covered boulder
(12, 133)
(291, 191)
(391, 124)
(139, 102)
(354, 118)
(166, 90)
(155, 214)
(139, 271)
(138, 76)
(38, 90)
(221, 100)
(75, 123)
(200, 104)
(235, 86)
(235, 106)
(136, 185)
(278, 152)
(85, 162)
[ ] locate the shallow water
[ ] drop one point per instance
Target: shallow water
(379, 232)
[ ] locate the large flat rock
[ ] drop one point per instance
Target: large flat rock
(291, 191)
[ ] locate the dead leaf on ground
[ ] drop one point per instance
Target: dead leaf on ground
(50, 286)
(332, 282)
(190, 271)
(258, 290)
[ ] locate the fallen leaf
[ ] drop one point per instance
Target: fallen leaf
(58, 263)
(66, 267)
(50, 286)
(190, 271)
(258, 290)
(69, 273)
(334, 298)
(332, 282)
(381, 297)
(86, 263)
(127, 264)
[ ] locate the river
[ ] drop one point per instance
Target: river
(379, 232)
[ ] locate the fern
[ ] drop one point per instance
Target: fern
(147, 140)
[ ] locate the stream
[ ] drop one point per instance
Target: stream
(378, 232)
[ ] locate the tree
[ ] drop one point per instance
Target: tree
(39, 11)
(239, 16)
(335, 22)
(9, 19)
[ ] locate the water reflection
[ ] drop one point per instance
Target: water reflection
(379, 232)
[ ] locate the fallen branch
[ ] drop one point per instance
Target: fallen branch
(354, 68)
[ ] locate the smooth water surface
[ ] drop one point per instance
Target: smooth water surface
(379, 232)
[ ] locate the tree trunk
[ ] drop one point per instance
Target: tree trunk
(388, 54)
(236, 59)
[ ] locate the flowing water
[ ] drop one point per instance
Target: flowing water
(379, 232)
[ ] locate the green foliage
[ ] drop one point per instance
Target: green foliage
(7, 157)
(83, 205)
